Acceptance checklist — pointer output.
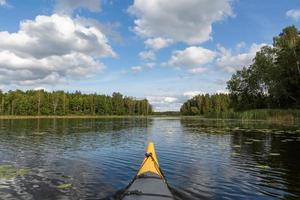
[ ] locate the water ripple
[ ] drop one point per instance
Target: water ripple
(201, 159)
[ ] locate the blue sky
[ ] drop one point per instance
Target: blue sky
(166, 52)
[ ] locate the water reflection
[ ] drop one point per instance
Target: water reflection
(263, 156)
(208, 159)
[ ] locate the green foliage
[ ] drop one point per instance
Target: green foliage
(268, 89)
(167, 113)
(273, 80)
(60, 103)
(279, 115)
(206, 105)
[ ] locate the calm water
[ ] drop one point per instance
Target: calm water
(201, 158)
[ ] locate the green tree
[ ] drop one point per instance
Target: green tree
(273, 80)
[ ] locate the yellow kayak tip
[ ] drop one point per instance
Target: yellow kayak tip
(150, 162)
(149, 182)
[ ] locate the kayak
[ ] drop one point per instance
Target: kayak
(149, 182)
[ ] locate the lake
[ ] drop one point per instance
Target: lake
(202, 159)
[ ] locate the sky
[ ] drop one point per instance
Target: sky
(162, 50)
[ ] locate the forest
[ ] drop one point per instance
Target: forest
(272, 81)
(204, 104)
(41, 102)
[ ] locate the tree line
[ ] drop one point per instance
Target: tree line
(272, 81)
(40, 102)
(204, 104)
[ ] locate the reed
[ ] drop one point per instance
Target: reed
(278, 115)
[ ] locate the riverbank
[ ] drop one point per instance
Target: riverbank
(274, 115)
(70, 116)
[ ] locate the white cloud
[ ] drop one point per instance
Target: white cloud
(147, 55)
(198, 70)
(171, 102)
(50, 49)
(175, 101)
(55, 35)
(191, 94)
(164, 103)
(136, 69)
(68, 6)
(188, 21)
(224, 91)
(150, 64)
(2, 2)
(108, 28)
(170, 99)
(41, 88)
(240, 46)
(231, 62)
(191, 57)
(140, 68)
(294, 14)
(158, 43)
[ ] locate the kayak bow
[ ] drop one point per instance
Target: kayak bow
(149, 183)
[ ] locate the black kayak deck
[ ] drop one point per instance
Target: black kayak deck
(148, 186)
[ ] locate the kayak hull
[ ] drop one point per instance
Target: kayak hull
(149, 183)
(149, 187)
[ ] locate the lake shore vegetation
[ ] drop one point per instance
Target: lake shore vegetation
(60, 103)
(267, 89)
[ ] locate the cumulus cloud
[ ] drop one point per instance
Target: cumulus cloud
(231, 62)
(165, 103)
(191, 94)
(294, 14)
(140, 68)
(157, 43)
(50, 49)
(188, 21)
(175, 101)
(192, 58)
(147, 55)
(55, 35)
(108, 28)
(68, 6)
(171, 102)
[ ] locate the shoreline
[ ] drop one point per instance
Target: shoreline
(270, 120)
(68, 116)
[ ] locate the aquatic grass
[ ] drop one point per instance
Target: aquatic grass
(11, 172)
(64, 186)
(248, 142)
(263, 166)
(7, 172)
(274, 154)
(23, 171)
(256, 140)
(272, 115)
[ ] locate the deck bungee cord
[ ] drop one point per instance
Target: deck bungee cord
(149, 183)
